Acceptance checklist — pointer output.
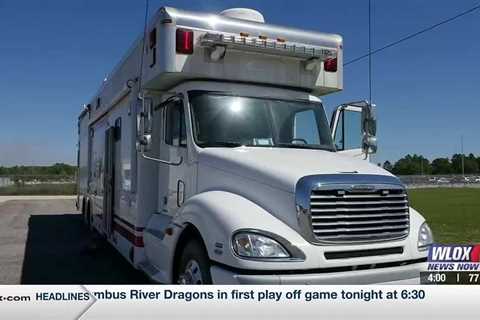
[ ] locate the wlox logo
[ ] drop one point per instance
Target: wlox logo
(454, 253)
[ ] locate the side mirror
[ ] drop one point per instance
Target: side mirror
(369, 129)
(354, 128)
(370, 145)
(145, 141)
(369, 120)
(148, 116)
(145, 125)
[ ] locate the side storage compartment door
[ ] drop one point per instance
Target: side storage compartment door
(109, 180)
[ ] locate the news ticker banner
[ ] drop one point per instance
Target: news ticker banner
(239, 302)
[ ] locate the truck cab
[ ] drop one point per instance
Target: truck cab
(240, 178)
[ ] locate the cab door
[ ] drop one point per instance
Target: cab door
(173, 178)
(353, 128)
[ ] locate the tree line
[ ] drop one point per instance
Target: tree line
(418, 165)
(58, 169)
(408, 165)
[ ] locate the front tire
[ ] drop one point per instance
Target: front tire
(194, 266)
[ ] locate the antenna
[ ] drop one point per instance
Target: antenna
(463, 156)
(370, 51)
(142, 52)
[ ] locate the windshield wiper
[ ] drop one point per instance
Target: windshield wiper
(228, 144)
(302, 146)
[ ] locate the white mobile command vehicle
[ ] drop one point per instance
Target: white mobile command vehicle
(206, 157)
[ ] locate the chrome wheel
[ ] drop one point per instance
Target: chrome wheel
(192, 274)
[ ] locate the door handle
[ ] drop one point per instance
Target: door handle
(180, 193)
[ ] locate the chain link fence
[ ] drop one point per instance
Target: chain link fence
(441, 181)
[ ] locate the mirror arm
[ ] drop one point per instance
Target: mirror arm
(368, 124)
(360, 104)
(168, 100)
(367, 150)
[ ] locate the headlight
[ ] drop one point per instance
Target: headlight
(425, 237)
(252, 245)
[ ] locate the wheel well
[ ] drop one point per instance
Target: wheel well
(189, 232)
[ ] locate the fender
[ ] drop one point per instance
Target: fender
(216, 215)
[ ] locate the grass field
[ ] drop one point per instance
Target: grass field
(452, 213)
(39, 189)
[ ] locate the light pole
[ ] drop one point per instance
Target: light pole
(463, 157)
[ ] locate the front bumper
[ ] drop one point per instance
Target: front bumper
(398, 275)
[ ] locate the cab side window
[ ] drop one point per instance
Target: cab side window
(175, 132)
(348, 134)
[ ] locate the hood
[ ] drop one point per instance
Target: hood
(281, 167)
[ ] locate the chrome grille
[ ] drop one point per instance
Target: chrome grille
(357, 216)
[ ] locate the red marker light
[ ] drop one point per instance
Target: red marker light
(330, 65)
(184, 39)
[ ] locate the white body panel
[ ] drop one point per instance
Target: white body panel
(222, 190)
(261, 164)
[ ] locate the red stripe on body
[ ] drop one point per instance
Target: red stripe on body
(137, 241)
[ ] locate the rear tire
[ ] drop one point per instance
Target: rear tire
(194, 266)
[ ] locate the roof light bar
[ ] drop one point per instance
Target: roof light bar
(273, 47)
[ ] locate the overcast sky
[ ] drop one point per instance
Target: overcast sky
(54, 54)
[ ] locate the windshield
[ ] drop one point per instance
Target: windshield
(232, 121)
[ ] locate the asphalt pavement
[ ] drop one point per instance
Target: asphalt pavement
(43, 241)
